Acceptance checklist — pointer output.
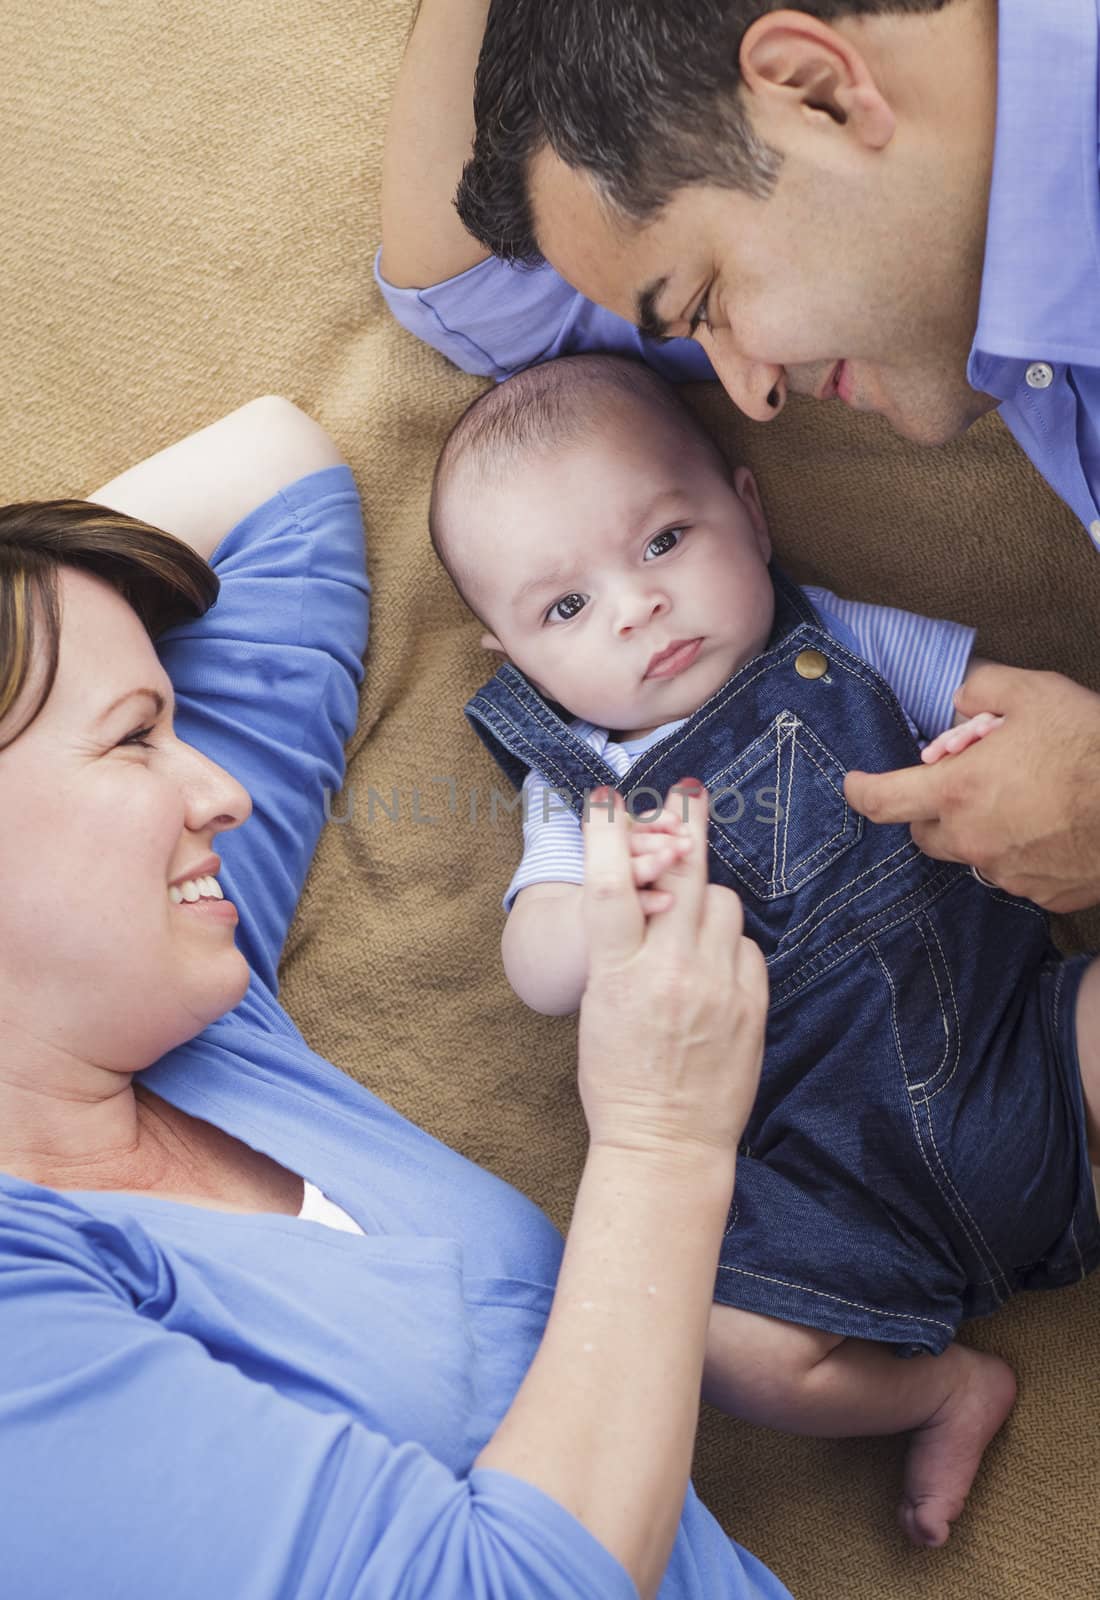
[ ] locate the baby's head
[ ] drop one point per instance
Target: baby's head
(590, 523)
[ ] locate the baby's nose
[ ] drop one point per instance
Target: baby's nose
(638, 609)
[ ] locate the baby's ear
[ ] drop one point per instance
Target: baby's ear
(749, 495)
(489, 641)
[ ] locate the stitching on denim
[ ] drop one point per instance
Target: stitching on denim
(838, 1299)
(913, 1087)
(993, 1262)
(777, 881)
(954, 1006)
(1056, 1015)
(913, 1105)
(867, 888)
(908, 849)
(786, 988)
(727, 851)
(543, 759)
(1019, 905)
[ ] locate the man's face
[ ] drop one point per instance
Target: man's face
(831, 287)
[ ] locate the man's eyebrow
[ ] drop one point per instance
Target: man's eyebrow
(650, 323)
(132, 694)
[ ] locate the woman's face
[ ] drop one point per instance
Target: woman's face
(102, 809)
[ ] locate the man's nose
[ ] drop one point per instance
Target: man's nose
(639, 606)
(757, 388)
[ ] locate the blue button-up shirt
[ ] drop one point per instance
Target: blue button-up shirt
(1037, 347)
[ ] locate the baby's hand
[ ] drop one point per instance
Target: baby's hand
(954, 740)
(656, 844)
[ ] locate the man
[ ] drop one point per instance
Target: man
(890, 202)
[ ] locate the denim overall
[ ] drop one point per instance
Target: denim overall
(917, 1149)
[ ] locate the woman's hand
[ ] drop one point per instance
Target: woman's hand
(672, 1020)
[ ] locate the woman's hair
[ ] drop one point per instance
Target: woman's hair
(158, 575)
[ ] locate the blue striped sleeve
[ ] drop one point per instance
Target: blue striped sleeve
(553, 846)
(924, 660)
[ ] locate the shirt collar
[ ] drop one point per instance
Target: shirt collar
(1040, 296)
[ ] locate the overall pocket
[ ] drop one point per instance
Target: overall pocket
(780, 813)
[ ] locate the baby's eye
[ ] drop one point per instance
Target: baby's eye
(700, 317)
(663, 543)
(565, 609)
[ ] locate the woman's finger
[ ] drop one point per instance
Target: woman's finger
(613, 917)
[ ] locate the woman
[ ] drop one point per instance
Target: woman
(261, 1336)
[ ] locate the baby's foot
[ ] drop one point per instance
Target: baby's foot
(945, 1452)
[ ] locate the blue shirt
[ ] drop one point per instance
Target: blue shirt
(253, 1406)
(1037, 346)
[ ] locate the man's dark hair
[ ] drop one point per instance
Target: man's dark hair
(643, 95)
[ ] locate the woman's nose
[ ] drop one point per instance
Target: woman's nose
(216, 802)
(639, 606)
(757, 388)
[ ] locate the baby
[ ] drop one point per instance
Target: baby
(919, 1146)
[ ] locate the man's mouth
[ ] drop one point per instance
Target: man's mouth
(675, 658)
(835, 387)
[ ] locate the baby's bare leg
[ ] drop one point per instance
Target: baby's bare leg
(803, 1381)
(1088, 1051)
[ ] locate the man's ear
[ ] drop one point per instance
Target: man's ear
(489, 641)
(749, 495)
(794, 63)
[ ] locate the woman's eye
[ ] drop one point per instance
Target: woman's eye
(140, 736)
(566, 608)
(663, 543)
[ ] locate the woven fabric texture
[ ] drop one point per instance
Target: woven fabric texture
(190, 205)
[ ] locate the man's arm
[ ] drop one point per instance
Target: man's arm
(430, 137)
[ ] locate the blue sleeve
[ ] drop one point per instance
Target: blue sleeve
(924, 660)
(497, 318)
(267, 686)
(134, 1462)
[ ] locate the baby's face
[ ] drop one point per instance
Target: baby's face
(626, 575)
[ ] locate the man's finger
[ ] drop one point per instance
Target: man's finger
(991, 687)
(613, 917)
(911, 794)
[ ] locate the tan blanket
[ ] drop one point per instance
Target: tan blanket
(189, 205)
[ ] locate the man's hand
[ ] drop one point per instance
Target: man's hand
(1023, 806)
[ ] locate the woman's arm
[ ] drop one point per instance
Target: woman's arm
(430, 137)
(671, 1041)
(201, 487)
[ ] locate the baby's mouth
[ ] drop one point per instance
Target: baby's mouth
(675, 658)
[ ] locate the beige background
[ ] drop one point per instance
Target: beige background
(189, 198)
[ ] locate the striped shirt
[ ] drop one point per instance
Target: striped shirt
(924, 661)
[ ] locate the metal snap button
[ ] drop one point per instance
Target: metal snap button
(1094, 529)
(1040, 375)
(810, 664)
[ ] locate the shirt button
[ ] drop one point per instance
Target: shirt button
(1094, 529)
(1040, 375)
(810, 664)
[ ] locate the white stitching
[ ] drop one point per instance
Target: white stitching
(822, 1294)
(913, 1104)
